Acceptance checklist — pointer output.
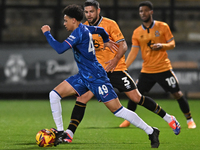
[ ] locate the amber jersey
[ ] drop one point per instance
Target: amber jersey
(115, 34)
(153, 61)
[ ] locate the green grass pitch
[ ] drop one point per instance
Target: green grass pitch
(20, 120)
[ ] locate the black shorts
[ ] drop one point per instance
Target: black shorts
(122, 81)
(167, 80)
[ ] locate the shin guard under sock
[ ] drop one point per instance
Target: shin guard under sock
(56, 109)
(131, 105)
(134, 119)
(77, 116)
(184, 106)
(151, 105)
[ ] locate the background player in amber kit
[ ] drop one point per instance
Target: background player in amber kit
(154, 38)
(114, 64)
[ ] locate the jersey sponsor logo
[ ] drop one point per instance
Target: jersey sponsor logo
(150, 43)
(96, 43)
(71, 37)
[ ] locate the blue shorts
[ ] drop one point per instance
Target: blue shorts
(101, 87)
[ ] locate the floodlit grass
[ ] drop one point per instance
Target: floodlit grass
(20, 120)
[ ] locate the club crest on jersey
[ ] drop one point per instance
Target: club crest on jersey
(157, 33)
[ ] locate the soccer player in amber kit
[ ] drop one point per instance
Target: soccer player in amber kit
(154, 38)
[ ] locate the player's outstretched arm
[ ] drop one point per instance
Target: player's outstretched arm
(100, 31)
(59, 47)
(107, 42)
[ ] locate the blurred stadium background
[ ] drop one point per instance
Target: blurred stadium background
(30, 68)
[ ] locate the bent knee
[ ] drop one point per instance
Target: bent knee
(177, 95)
(54, 96)
(134, 95)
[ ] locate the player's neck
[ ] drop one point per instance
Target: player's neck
(76, 25)
(147, 24)
(96, 22)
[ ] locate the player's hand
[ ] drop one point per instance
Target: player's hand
(157, 46)
(45, 28)
(111, 45)
(111, 65)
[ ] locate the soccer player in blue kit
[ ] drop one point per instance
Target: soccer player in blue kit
(91, 75)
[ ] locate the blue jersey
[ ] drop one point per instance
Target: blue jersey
(81, 42)
(90, 69)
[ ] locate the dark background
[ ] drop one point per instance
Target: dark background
(29, 67)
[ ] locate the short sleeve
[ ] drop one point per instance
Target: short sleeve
(135, 42)
(115, 32)
(168, 34)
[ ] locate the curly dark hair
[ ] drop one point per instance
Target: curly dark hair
(74, 11)
(146, 3)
